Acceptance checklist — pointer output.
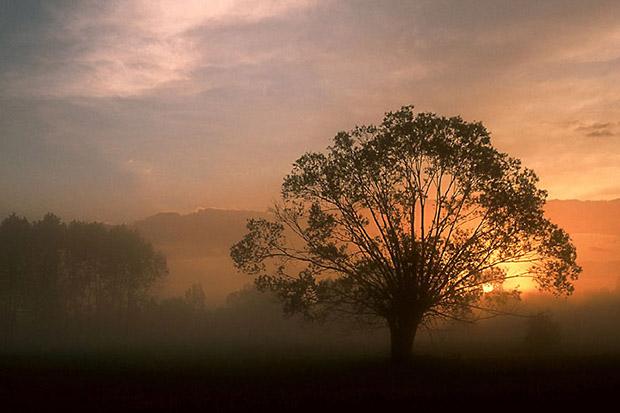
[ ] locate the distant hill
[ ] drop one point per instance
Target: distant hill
(197, 244)
(197, 247)
(201, 233)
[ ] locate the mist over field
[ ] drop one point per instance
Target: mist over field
(229, 316)
(196, 247)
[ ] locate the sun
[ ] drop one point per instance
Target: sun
(487, 288)
(520, 277)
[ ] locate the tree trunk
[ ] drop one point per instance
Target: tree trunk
(402, 335)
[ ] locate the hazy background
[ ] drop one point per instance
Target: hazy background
(197, 247)
(229, 317)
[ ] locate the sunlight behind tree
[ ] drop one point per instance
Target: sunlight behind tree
(405, 223)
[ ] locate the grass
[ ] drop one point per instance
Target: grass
(235, 381)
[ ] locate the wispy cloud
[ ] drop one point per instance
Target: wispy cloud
(129, 48)
(597, 129)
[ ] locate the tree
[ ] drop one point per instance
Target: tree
(48, 238)
(408, 222)
(543, 335)
(15, 263)
(195, 297)
(131, 268)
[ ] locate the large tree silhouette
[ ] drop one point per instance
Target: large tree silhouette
(406, 222)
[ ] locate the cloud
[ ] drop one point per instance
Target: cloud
(597, 129)
(209, 103)
(129, 48)
(600, 133)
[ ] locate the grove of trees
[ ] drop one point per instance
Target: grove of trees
(51, 272)
(407, 223)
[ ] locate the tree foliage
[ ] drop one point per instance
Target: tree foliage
(406, 222)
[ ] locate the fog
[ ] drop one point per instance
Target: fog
(251, 324)
(201, 335)
(203, 305)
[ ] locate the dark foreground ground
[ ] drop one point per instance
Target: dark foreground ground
(210, 383)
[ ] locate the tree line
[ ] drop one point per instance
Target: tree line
(52, 271)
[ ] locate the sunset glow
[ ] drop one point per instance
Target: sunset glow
(519, 277)
(214, 100)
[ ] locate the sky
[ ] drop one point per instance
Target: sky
(115, 110)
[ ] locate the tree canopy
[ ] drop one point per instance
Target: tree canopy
(406, 222)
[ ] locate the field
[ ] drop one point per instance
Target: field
(108, 381)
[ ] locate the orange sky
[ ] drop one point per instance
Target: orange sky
(117, 110)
